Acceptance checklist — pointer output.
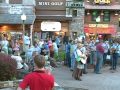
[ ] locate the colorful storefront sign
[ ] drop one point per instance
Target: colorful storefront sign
(102, 1)
(100, 29)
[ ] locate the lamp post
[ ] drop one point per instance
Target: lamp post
(119, 21)
(97, 21)
(23, 18)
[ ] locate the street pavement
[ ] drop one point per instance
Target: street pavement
(108, 80)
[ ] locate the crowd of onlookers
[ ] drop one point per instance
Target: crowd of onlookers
(23, 51)
(79, 53)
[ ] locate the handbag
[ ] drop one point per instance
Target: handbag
(83, 60)
(108, 57)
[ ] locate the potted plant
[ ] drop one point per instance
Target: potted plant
(8, 71)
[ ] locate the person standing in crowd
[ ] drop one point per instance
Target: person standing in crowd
(57, 40)
(5, 45)
(79, 66)
(106, 49)
(65, 39)
(67, 50)
(16, 47)
(84, 51)
(115, 50)
(51, 48)
(42, 80)
(29, 53)
(99, 54)
(37, 47)
(92, 51)
(26, 41)
(55, 49)
(73, 48)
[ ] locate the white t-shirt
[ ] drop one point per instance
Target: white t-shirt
(18, 60)
(4, 44)
(55, 46)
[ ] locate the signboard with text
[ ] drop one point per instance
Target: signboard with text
(100, 29)
(51, 4)
(15, 10)
(102, 1)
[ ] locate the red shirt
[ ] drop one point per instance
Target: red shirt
(100, 48)
(38, 80)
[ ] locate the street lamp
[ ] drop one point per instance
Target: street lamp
(23, 18)
(119, 21)
(97, 21)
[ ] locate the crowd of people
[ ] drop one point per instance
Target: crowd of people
(79, 53)
(23, 51)
(97, 53)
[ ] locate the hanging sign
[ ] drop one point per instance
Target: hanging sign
(102, 1)
(15, 10)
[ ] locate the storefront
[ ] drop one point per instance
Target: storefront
(49, 12)
(103, 31)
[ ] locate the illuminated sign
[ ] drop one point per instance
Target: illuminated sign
(99, 25)
(101, 29)
(50, 26)
(102, 1)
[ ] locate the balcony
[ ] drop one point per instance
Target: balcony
(70, 4)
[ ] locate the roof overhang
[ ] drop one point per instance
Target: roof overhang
(52, 17)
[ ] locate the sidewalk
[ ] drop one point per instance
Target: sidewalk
(91, 81)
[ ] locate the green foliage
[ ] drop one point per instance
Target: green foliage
(61, 56)
(7, 67)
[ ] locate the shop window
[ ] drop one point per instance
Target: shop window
(94, 15)
(74, 13)
(106, 16)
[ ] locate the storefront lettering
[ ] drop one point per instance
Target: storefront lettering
(99, 25)
(50, 3)
(102, 1)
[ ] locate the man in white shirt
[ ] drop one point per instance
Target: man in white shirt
(4, 45)
(26, 41)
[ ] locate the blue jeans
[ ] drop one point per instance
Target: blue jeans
(73, 61)
(114, 60)
(104, 57)
(99, 62)
(92, 57)
(68, 59)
